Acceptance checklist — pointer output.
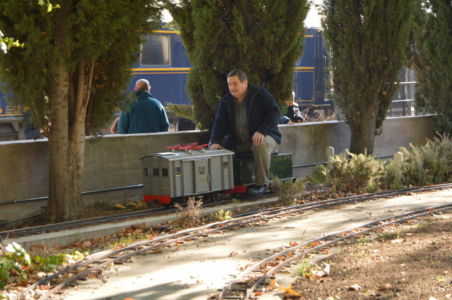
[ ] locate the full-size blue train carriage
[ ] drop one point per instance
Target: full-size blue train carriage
(164, 63)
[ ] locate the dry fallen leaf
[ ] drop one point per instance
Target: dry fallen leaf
(385, 287)
(354, 287)
(397, 241)
(289, 292)
(273, 284)
(233, 253)
(119, 206)
(314, 244)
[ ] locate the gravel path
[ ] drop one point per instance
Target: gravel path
(197, 269)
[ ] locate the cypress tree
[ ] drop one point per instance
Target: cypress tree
(262, 37)
(71, 70)
(433, 61)
(367, 39)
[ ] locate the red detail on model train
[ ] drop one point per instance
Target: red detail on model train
(238, 189)
(192, 146)
(161, 199)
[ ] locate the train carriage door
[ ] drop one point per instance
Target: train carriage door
(201, 176)
(154, 173)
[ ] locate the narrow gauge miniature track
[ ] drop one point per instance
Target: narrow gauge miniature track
(100, 260)
(91, 221)
(258, 276)
(149, 212)
(80, 223)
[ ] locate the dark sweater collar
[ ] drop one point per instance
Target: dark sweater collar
(142, 93)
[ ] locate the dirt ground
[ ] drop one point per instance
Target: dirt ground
(409, 262)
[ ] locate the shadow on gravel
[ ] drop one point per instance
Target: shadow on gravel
(155, 293)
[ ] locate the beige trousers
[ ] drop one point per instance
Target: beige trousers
(261, 156)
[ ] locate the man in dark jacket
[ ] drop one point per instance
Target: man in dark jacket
(246, 120)
(145, 114)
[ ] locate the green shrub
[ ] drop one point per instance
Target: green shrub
(288, 191)
(348, 172)
(431, 163)
(16, 264)
(393, 176)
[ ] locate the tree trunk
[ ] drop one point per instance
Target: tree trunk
(66, 138)
(58, 148)
(76, 150)
(363, 133)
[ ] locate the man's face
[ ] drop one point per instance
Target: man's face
(236, 87)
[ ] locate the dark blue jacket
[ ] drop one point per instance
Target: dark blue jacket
(145, 114)
(262, 114)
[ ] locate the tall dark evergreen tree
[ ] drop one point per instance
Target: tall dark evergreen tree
(262, 37)
(367, 39)
(433, 60)
(71, 71)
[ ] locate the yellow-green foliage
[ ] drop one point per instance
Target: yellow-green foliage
(223, 215)
(431, 163)
(16, 264)
(348, 172)
(288, 191)
(393, 176)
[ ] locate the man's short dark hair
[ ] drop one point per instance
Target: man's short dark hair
(239, 73)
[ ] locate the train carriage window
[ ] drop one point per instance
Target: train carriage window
(156, 50)
(165, 172)
(155, 172)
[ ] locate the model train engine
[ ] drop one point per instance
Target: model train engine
(172, 175)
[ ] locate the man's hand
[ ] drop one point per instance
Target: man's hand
(215, 147)
(258, 138)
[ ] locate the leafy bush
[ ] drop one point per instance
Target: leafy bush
(348, 172)
(393, 176)
(16, 264)
(288, 191)
(431, 163)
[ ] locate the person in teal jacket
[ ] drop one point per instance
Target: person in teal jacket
(145, 114)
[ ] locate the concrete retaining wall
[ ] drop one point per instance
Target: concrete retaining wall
(113, 161)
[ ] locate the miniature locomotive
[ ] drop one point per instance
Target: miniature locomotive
(173, 175)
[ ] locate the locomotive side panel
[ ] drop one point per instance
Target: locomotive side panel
(201, 181)
(215, 173)
(177, 185)
(188, 178)
(221, 172)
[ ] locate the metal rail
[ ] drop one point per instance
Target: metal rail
(149, 212)
(44, 198)
(80, 223)
(91, 221)
(256, 276)
(98, 261)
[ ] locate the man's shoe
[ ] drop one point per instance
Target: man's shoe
(257, 190)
